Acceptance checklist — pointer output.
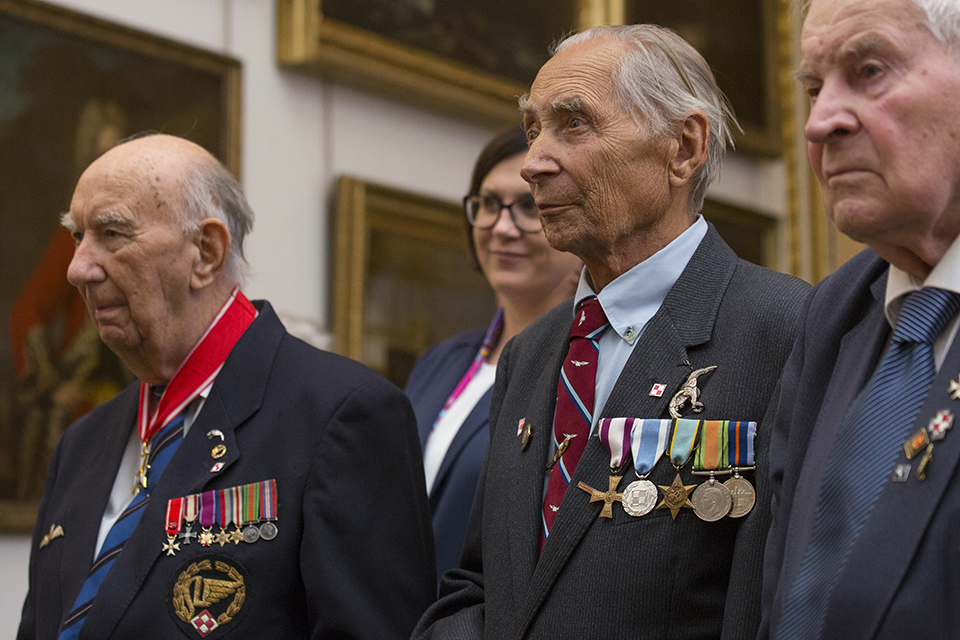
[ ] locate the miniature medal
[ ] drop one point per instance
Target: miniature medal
(268, 531)
(173, 522)
(251, 534)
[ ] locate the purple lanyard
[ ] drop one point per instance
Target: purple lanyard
(489, 342)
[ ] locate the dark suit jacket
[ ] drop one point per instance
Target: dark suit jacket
(432, 381)
(353, 556)
(901, 579)
(649, 577)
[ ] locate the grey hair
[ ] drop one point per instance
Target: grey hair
(663, 78)
(941, 17)
(211, 191)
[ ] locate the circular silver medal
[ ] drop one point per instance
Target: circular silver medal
(639, 497)
(268, 531)
(744, 496)
(251, 534)
(711, 501)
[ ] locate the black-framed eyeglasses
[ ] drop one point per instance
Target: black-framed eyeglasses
(483, 211)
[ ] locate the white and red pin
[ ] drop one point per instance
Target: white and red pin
(520, 427)
(657, 390)
(940, 424)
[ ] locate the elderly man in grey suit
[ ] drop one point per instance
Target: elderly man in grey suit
(864, 461)
(626, 130)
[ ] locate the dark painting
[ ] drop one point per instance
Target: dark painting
(66, 96)
(502, 37)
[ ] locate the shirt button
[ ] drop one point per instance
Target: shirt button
(629, 334)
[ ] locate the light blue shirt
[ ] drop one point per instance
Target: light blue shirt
(630, 301)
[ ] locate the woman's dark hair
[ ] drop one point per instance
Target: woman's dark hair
(505, 144)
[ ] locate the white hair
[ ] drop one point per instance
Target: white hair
(211, 191)
(941, 17)
(661, 79)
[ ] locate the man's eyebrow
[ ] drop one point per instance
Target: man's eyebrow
(573, 103)
(111, 218)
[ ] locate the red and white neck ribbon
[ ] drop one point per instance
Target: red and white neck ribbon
(199, 369)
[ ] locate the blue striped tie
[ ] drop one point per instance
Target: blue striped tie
(165, 445)
(868, 444)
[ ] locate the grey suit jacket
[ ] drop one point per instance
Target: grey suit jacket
(648, 577)
(901, 579)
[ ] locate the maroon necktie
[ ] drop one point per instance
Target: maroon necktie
(574, 414)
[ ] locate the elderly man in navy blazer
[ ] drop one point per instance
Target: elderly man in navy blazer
(249, 486)
(626, 129)
(865, 459)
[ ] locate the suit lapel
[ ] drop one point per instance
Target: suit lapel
(897, 524)
(685, 319)
(851, 372)
(528, 474)
(475, 421)
(77, 561)
(236, 395)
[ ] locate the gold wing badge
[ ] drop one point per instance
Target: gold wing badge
(197, 595)
(56, 531)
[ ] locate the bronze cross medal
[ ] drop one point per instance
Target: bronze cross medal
(608, 497)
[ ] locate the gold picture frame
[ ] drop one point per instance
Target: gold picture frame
(404, 277)
(312, 41)
(73, 85)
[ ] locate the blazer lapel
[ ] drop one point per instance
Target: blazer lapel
(529, 472)
(850, 375)
(898, 522)
(235, 396)
(82, 535)
(475, 421)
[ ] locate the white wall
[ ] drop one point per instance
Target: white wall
(299, 134)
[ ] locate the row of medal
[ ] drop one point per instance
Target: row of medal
(250, 508)
(718, 447)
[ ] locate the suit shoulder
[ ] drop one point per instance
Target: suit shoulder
(298, 364)
(768, 290)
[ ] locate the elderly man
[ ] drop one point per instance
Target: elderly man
(249, 486)
(626, 128)
(864, 461)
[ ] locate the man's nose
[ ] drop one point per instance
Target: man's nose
(85, 267)
(540, 161)
(832, 113)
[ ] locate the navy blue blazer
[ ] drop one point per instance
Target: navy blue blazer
(901, 578)
(431, 382)
(352, 557)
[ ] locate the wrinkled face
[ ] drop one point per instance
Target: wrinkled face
(884, 127)
(596, 176)
(133, 262)
(520, 265)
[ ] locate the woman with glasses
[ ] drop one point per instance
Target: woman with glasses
(451, 385)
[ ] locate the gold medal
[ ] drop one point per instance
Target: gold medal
(676, 496)
(608, 497)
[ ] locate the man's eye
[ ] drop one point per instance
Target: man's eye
(77, 237)
(575, 122)
(532, 135)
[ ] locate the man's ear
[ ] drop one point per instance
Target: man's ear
(693, 147)
(213, 242)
